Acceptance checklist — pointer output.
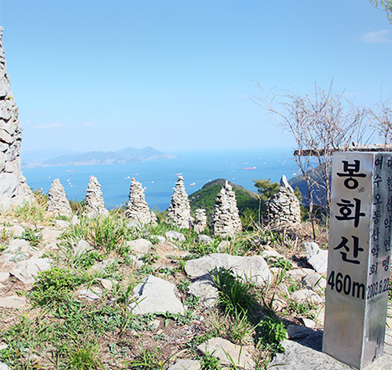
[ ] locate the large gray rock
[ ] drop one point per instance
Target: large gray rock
(3, 366)
(254, 268)
(316, 257)
(179, 212)
(186, 365)
(228, 352)
(13, 188)
(155, 295)
(26, 271)
(137, 207)
(58, 203)
(140, 246)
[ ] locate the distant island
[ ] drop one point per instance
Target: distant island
(64, 157)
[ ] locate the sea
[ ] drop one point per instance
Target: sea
(158, 177)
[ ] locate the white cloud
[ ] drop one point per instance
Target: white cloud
(88, 124)
(51, 125)
(377, 36)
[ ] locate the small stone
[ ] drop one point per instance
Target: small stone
(309, 323)
(155, 295)
(186, 365)
(205, 239)
(175, 235)
(304, 295)
(62, 224)
(228, 352)
(14, 301)
(81, 248)
(92, 294)
(298, 332)
(140, 246)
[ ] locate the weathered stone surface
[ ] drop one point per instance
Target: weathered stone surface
(137, 208)
(223, 349)
(298, 332)
(95, 205)
(4, 275)
(179, 212)
(13, 190)
(81, 248)
(284, 207)
(317, 258)
(26, 271)
(3, 366)
(155, 295)
(18, 250)
(315, 282)
(92, 294)
(186, 365)
(153, 218)
(304, 295)
(205, 289)
(200, 222)
(140, 246)
(58, 203)
(252, 268)
(226, 220)
(13, 302)
(205, 239)
(174, 235)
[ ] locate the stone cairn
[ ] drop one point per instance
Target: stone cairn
(154, 220)
(58, 203)
(137, 208)
(13, 188)
(284, 207)
(95, 205)
(226, 220)
(200, 222)
(179, 212)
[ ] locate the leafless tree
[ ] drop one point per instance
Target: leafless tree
(382, 115)
(320, 123)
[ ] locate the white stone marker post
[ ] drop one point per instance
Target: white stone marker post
(359, 257)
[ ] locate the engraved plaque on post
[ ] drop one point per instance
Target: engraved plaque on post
(359, 257)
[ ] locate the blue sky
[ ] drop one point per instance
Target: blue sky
(177, 74)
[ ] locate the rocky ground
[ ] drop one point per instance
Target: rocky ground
(100, 294)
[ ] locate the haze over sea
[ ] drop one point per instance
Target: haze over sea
(160, 176)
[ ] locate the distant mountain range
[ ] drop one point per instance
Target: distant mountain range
(65, 157)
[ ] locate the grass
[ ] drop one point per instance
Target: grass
(62, 331)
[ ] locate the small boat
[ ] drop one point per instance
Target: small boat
(126, 178)
(70, 171)
(48, 177)
(179, 174)
(193, 184)
(249, 168)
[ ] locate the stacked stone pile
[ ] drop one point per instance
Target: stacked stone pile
(13, 187)
(95, 205)
(57, 200)
(137, 208)
(153, 216)
(284, 206)
(226, 220)
(179, 212)
(200, 222)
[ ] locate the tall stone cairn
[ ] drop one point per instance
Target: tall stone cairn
(95, 205)
(13, 188)
(58, 203)
(284, 207)
(179, 212)
(154, 220)
(137, 208)
(226, 220)
(200, 222)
